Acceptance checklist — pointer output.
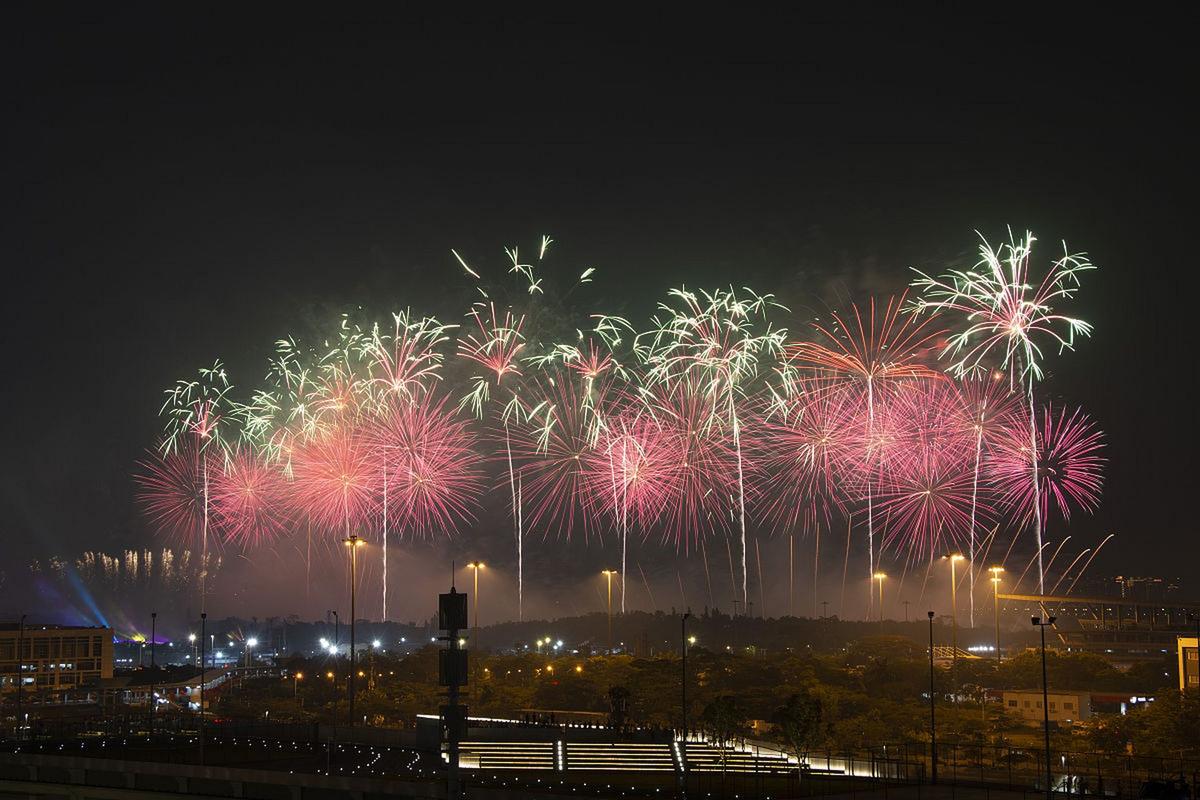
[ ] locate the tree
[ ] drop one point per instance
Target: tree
(799, 724)
(723, 718)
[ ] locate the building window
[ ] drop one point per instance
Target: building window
(1068, 706)
(1012, 703)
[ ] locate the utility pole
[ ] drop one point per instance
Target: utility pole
(1041, 625)
(20, 674)
(153, 664)
(452, 662)
(932, 712)
(906, 602)
(203, 623)
(683, 643)
(353, 542)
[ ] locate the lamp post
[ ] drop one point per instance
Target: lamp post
(879, 576)
(996, 572)
(953, 558)
(608, 573)
(251, 643)
(20, 672)
(476, 566)
(203, 623)
(353, 542)
(683, 643)
(296, 678)
(192, 642)
(932, 712)
(153, 664)
(1041, 624)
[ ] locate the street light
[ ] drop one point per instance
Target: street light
(251, 643)
(203, 623)
(953, 558)
(296, 678)
(192, 642)
(1041, 624)
(353, 543)
(153, 664)
(879, 576)
(996, 572)
(608, 573)
(683, 668)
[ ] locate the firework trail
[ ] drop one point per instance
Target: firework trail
(196, 411)
(402, 365)
(985, 404)
(646, 583)
(1065, 572)
(714, 340)
(495, 343)
(707, 574)
(869, 355)
(1095, 553)
(1008, 313)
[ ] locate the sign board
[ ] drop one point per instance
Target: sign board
(452, 611)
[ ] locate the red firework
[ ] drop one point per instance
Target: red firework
(801, 453)
(170, 488)
(553, 447)
(927, 500)
(335, 480)
(872, 353)
(248, 500)
(1070, 464)
(496, 341)
(431, 474)
(633, 470)
(704, 480)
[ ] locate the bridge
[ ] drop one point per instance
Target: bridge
(1134, 629)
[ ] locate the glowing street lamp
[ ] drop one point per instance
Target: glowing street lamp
(953, 558)
(352, 542)
(996, 572)
(879, 576)
(608, 573)
(251, 643)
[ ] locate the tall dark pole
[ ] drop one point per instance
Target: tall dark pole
(20, 672)
(203, 625)
(354, 543)
(153, 664)
(683, 668)
(932, 712)
(1041, 624)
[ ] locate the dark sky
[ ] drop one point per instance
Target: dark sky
(185, 187)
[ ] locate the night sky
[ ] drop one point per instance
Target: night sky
(182, 188)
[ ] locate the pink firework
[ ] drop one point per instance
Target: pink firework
(553, 447)
(171, 490)
(632, 471)
(801, 454)
(871, 355)
(929, 491)
(431, 475)
(929, 500)
(248, 500)
(335, 480)
(1070, 465)
(704, 480)
(496, 341)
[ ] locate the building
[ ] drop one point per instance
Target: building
(1066, 708)
(1189, 663)
(53, 658)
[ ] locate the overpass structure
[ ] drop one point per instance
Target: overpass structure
(1131, 629)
